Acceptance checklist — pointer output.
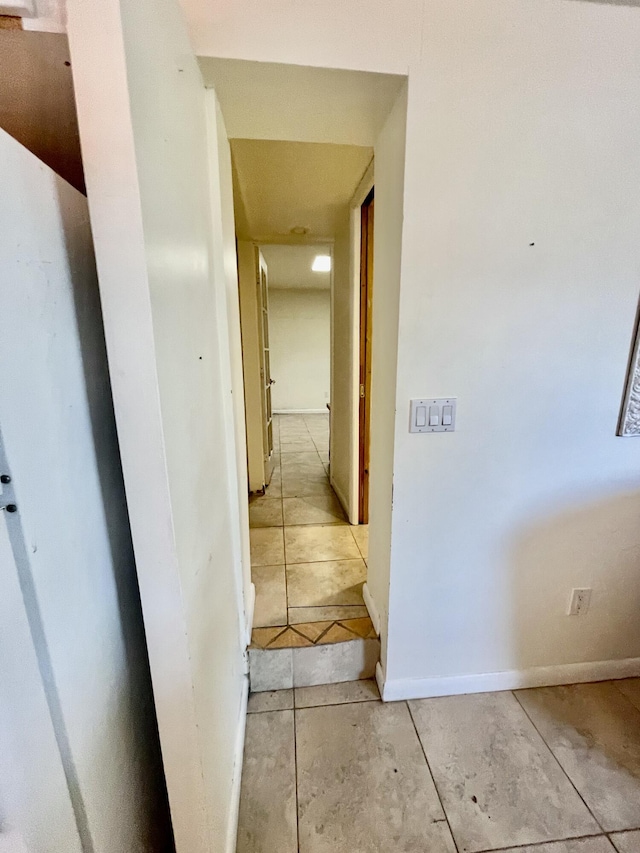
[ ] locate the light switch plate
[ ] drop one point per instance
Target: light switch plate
(421, 411)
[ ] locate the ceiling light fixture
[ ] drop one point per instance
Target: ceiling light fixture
(299, 230)
(321, 263)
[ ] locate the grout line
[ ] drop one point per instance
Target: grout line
(269, 710)
(354, 539)
(286, 581)
(632, 703)
(281, 495)
(331, 705)
(620, 832)
(543, 843)
(295, 768)
(327, 704)
(357, 543)
(571, 782)
(314, 606)
(295, 630)
(424, 752)
(335, 622)
(330, 560)
(279, 634)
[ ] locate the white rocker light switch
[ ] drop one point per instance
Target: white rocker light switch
(441, 415)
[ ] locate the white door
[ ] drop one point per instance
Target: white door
(265, 365)
(68, 588)
(35, 807)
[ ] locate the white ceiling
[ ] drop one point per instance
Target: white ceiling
(289, 267)
(266, 100)
(301, 139)
(284, 185)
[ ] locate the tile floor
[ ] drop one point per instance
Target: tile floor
(306, 634)
(331, 769)
(308, 563)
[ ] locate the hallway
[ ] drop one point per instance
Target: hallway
(308, 563)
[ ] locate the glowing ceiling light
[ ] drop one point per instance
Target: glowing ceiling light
(321, 263)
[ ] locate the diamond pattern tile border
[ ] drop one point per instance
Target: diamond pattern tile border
(312, 634)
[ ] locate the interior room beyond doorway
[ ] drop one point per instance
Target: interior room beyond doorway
(302, 143)
(299, 314)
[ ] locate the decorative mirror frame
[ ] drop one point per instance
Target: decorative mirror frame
(630, 415)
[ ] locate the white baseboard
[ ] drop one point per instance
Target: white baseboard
(374, 613)
(324, 411)
(251, 604)
(536, 676)
(238, 755)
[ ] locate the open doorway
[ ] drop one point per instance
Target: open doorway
(294, 204)
(300, 182)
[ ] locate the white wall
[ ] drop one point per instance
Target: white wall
(226, 270)
(70, 537)
(387, 248)
(144, 140)
(344, 349)
(360, 35)
(262, 101)
(532, 135)
(522, 128)
(299, 338)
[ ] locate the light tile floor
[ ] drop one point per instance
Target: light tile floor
(332, 769)
(308, 563)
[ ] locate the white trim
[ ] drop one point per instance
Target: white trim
(324, 411)
(248, 615)
(234, 809)
(364, 187)
(535, 676)
(374, 613)
(630, 418)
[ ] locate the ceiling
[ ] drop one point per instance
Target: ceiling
(289, 267)
(284, 185)
(267, 100)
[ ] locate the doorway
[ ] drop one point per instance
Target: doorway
(294, 203)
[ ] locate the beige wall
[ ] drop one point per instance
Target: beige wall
(36, 99)
(344, 343)
(251, 361)
(299, 340)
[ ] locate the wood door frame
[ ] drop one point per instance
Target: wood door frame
(365, 341)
